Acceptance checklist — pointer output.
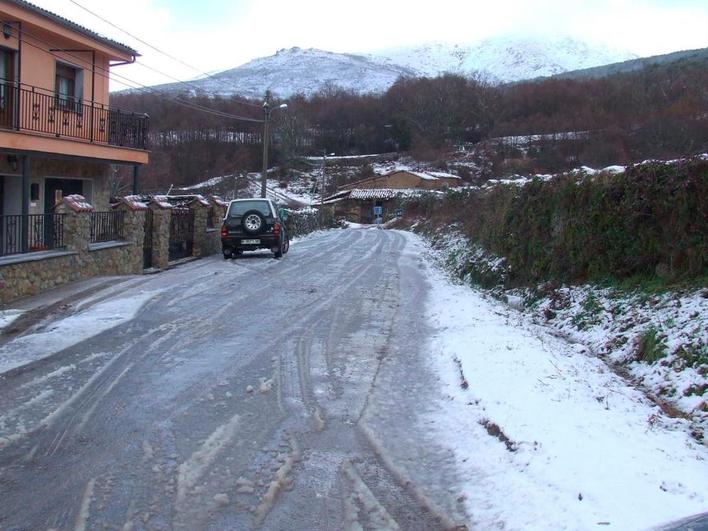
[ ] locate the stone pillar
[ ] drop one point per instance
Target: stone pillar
(77, 228)
(199, 244)
(134, 233)
(161, 217)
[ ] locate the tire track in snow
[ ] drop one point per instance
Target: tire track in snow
(194, 468)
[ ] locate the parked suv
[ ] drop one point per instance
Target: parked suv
(252, 224)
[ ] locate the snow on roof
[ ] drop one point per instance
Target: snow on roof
(429, 175)
(78, 203)
(337, 197)
(209, 182)
(135, 202)
(423, 175)
(443, 175)
(161, 201)
(201, 200)
(372, 193)
(217, 200)
(383, 193)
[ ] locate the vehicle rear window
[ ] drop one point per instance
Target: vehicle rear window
(239, 208)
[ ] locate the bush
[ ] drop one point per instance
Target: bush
(574, 227)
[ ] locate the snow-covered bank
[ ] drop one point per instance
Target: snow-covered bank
(545, 435)
(71, 330)
(658, 339)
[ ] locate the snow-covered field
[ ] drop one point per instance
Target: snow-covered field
(545, 434)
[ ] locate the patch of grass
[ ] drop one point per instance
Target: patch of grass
(652, 284)
(590, 314)
(651, 347)
(693, 355)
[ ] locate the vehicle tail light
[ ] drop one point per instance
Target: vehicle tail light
(224, 231)
(276, 228)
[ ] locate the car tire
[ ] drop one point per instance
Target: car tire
(279, 252)
(228, 255)
(253, 222)
(286, 246)
(237, 253)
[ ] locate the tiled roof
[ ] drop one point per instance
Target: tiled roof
(78, 203)
(74, 26)
(201, 200)
(372, 193)
(218, 200)
(161, 201)
(135, 202)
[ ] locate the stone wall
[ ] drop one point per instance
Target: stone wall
(33, 273)
(32, 277)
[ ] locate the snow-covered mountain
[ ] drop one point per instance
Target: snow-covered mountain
(306, 71)
(297, 70)
(502, 59)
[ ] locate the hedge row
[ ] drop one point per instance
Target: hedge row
(650, 220)
(301, 222)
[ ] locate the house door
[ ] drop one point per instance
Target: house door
(8, 90)
(57, 188)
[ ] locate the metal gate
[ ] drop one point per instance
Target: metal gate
(181, 233)
(147, 240)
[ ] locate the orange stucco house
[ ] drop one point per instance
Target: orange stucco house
(58, 136)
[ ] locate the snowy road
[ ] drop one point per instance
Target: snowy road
(349, 385)
(256, 393)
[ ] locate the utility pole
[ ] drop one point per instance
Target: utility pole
(322, 189)
(267, 111)
(266, 118)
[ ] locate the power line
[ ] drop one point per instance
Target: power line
(129, 82)
(177, 59)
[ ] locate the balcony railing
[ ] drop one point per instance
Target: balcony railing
(27, 108)
(35, 232)
(106, 226)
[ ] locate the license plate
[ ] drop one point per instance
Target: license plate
(250, 242)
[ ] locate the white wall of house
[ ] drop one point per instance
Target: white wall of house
(12, 193)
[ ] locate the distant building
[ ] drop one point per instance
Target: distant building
(407, 179)
(373, 199)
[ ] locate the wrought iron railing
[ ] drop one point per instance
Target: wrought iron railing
(27, 108)
(210, 218)
(35, 232)
(107, 226)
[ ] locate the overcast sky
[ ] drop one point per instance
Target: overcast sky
(220, 34)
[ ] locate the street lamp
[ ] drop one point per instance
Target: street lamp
(268, 110)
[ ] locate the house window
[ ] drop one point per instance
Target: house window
(68, 86)
(34, 192)
(7, 66)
